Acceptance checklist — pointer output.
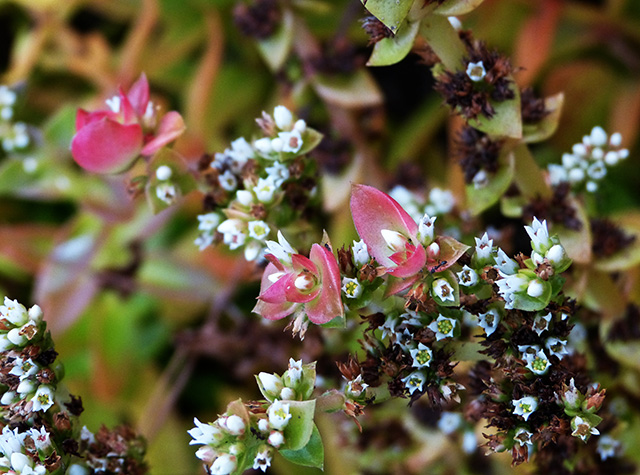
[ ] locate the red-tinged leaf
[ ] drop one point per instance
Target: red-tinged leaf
(450, 251)
(412, 264)
(170, 128)
(544, 129)
(457, 7)
(628, 257)
(138, 95)
(328, 304)
(395, 286)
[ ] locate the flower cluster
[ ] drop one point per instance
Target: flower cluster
(15, 136)
(587, 164)
(260, 186)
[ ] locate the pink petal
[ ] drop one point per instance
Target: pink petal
(415, 260)
(373, 211)
(127, 112)
(272, 311)
(170, 128)
(328, 304)
(85, 118)
(138, 95)
(274, 292)
(106, 146)
(301, 263)
(296, 295)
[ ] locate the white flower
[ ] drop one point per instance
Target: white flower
(607, 447)
(489, 321)
(209, 221)
(443, 289)
(505, 264)
(449, 422)
(443, 327)
(271, 383)
(233, 424)
(484, 247)
(582, 428)
(263, 146)
(224, 464)
(422, 356)
(557, 174)
(259, 230)
(469, 442)
(287, 394)
(228, 181)
(281, 250)
(40, 438)
(8, 398)
(278, 173)
(206, 453)
(556, 254)
(509, 285)
(240, 152)
(426, 229)
(395, 241)
(480, 179)
(265, 189)
(541, 323)
(263, 425)
(279, 415)
(557, 347)
(163, 172)
(525, 406)
(356, 387)
(351, 288)
(24, 368)
(597, 170)
(476, 71)
(300, 126)
(262, 461)
(294, 372)
(360, 253)
(539, 235)
(283, 117)
(276, 439)
(26, 387)
(204, 434)
(244, 197)
(467, 277)
(14, 311)
(598, 136)
(538, 364)
(575, 175)
(535, 288)
(167, 192)
(414, 382)
(523, 437)
(233, 233)
(11, 441)
(292, 141)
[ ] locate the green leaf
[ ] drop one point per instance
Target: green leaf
(528, 175)
(275, 49)
(181, 178)
(338, 322)
(310, 140)
(298, 431)
(468, 351)
(444, 41)
(457, 7)
(311, 455)
(351, 91)
(577, 244)
(628, 257)
(479, 199)
(548, 125)
(393, 50)
(507, 120)
(523, 301)
(391, 13)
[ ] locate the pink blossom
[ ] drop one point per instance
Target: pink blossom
(312, 282)
(110, 140)
(388, 231)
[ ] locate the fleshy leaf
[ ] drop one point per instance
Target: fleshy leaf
(507, 120)
(479, 199)
(528, 175)
(275, 49)
(628, 257)
(311, 139)
(351, 91)
(547, 126)
(311, 455)
(298, 431)
(181, 178)
(457, 7)
(450, 251)
(522, 301)
(393, 50)
(444, 41)
(577, 243)
(391, 13)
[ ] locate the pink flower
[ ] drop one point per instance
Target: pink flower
(110, 140)
(313, 282)
(388, 231)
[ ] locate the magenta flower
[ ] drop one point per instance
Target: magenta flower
(293, 280)
(388, 231)
(110, 140)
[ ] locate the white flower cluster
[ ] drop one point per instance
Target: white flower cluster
(242, 229)
(440, 202)
(14, 136)
(221, 441)
(283, 387)
(588, 161)
(21, 449)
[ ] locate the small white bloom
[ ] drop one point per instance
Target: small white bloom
(480, 179)
(443, 289)
(295, 371)
(263, 145)
(591, 186)
(525, 406)
(11, 441)
(163, 172)
(282, 117)
(422, 356)
(300, 126)
(281, 250)
(538, 364)
(206, 453)
(234, 425)
(476, 71)
(259, 230)
(263, 425)
(582, 428)
(455, 23)
(415, 381)
(278, 173)
(505, 264)
(615, 140)
(484, 247)
(449, 422)
(469, 442)
(304, 282)
(395, 241)
(360, 253)
(535, 288)
(523, 437)
(292, 141)
(30, 165)
(228, 181)
(623, 153)
(467, 277)
(442, 201)
(557, 174)
(489, 321)
(279, 415)
(611, 158)
(277, 144)
(539, 234)
(240, 152)
(276, 439)
(203, 434)
(262, 461)
(351, 288)
(287, 394)
(265, 190)
(443, 327)
(598, 136)
(167, 192)
(607, 447)
(356, 387)
(426, 229)
(541, 323)
(576, 175)
(233, 232)
(271, 383)
(209, 221)
(597, 170)
(556, 347)
(40, 438)
(43, 399)
(224, 464)
(556, 254)
(597, 154)
(8, 398)
(14, 311)
(580, 150)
